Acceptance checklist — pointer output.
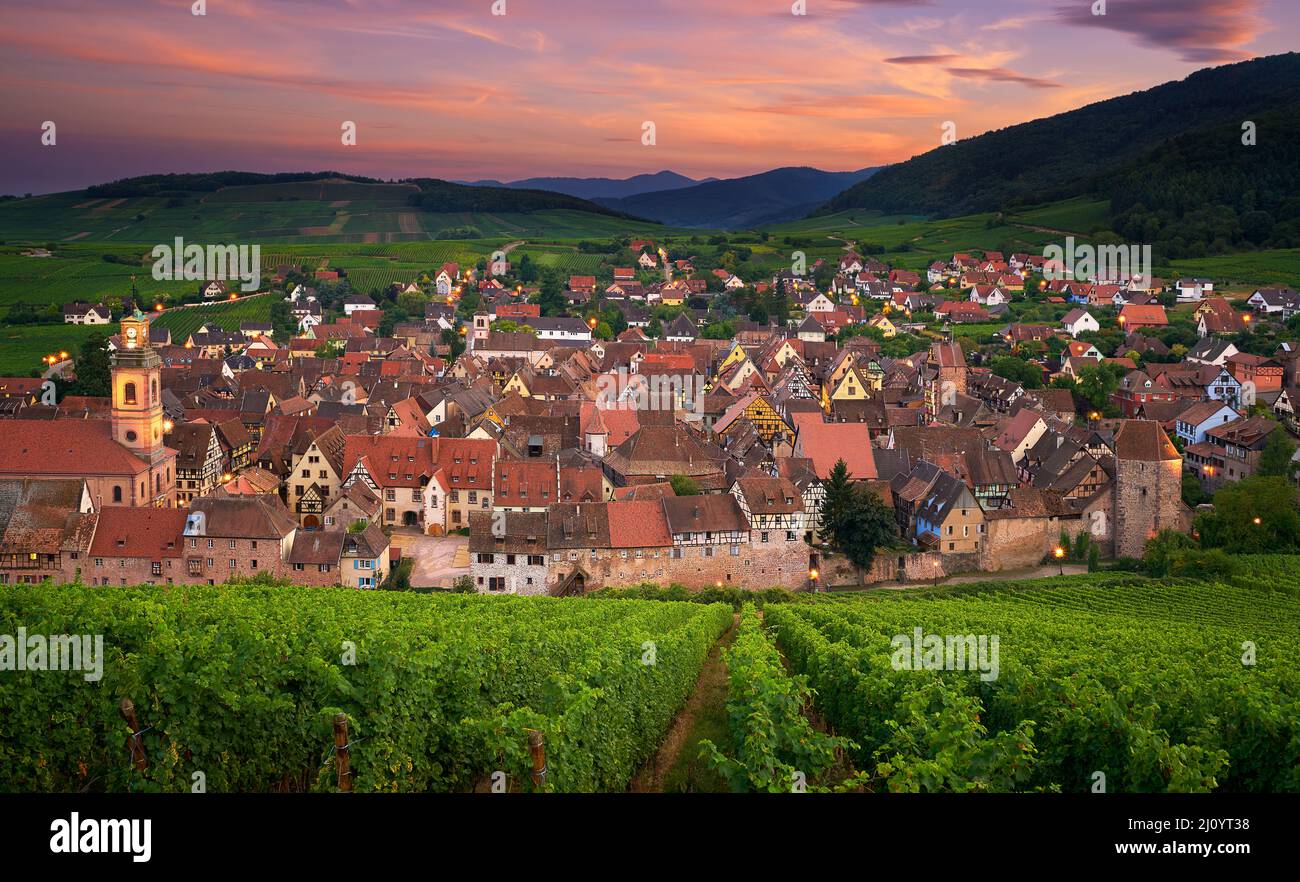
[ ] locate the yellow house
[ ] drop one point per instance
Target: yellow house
(760, 412)
(856, 385)
(735, 356)
(886, 327)
(516, 383)
(735, 377)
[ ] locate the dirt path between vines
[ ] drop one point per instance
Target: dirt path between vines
(708, 701)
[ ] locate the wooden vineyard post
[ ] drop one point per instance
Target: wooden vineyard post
(341, 760)
(538, 749)
(134, 748)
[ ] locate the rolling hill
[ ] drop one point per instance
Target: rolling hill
(1081, 151)
(302, 208)
(600, 188)
(771, 197)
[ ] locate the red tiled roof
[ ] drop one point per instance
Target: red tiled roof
(638, 525)
(152, 533)
(64, 447)
(826, 443)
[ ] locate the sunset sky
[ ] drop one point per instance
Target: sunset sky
(443, 88)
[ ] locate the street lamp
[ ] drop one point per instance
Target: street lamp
(1059, 554)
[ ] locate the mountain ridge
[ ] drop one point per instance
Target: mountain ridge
(735, 203)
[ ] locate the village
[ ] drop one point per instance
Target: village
(663, 424)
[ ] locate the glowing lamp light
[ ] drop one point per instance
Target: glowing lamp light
(1058, 552)
(158, 307)
(1257, 521)
(718, 583)
(227, 478)
(234, 296)
(592, 323)
(813, 574)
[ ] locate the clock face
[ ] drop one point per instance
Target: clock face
(131, 332)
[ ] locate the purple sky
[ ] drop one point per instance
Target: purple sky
(443, 88)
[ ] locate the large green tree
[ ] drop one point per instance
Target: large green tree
(1255, 516)
(1275, 458)
(838, 488)
(866, 525)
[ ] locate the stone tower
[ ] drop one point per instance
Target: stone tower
(948, 364)
(1148, 486)
(137, 415)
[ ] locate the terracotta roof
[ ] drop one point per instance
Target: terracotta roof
(766, 495)
(638, 524)
(709, 513)
(152, 533)
(826, 443)
(313, 548)
(64, 447)
(252, 517)
(1144, 440)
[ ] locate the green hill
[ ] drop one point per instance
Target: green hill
(1104, 148)
(303, 208)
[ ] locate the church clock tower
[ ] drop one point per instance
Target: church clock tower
(137, 392)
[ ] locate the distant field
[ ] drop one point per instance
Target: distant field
(22, 348)
(315, 191)
(282, 213)
(845, 221)
(77, 272)
(1081, 215)
(1257, 268)
(228, 313)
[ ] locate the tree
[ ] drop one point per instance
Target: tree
(838, 490)
(1193, 493)
(94, 374)
(684, 485)
(865, 525)
(1027, 375)
(1275, 459)
(1257, 515)
(453, 341)
(551, 297)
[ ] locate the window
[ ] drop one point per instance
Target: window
(117, 494)
(735, 551)
(765, 537)
(128, 393)
(486, 558)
